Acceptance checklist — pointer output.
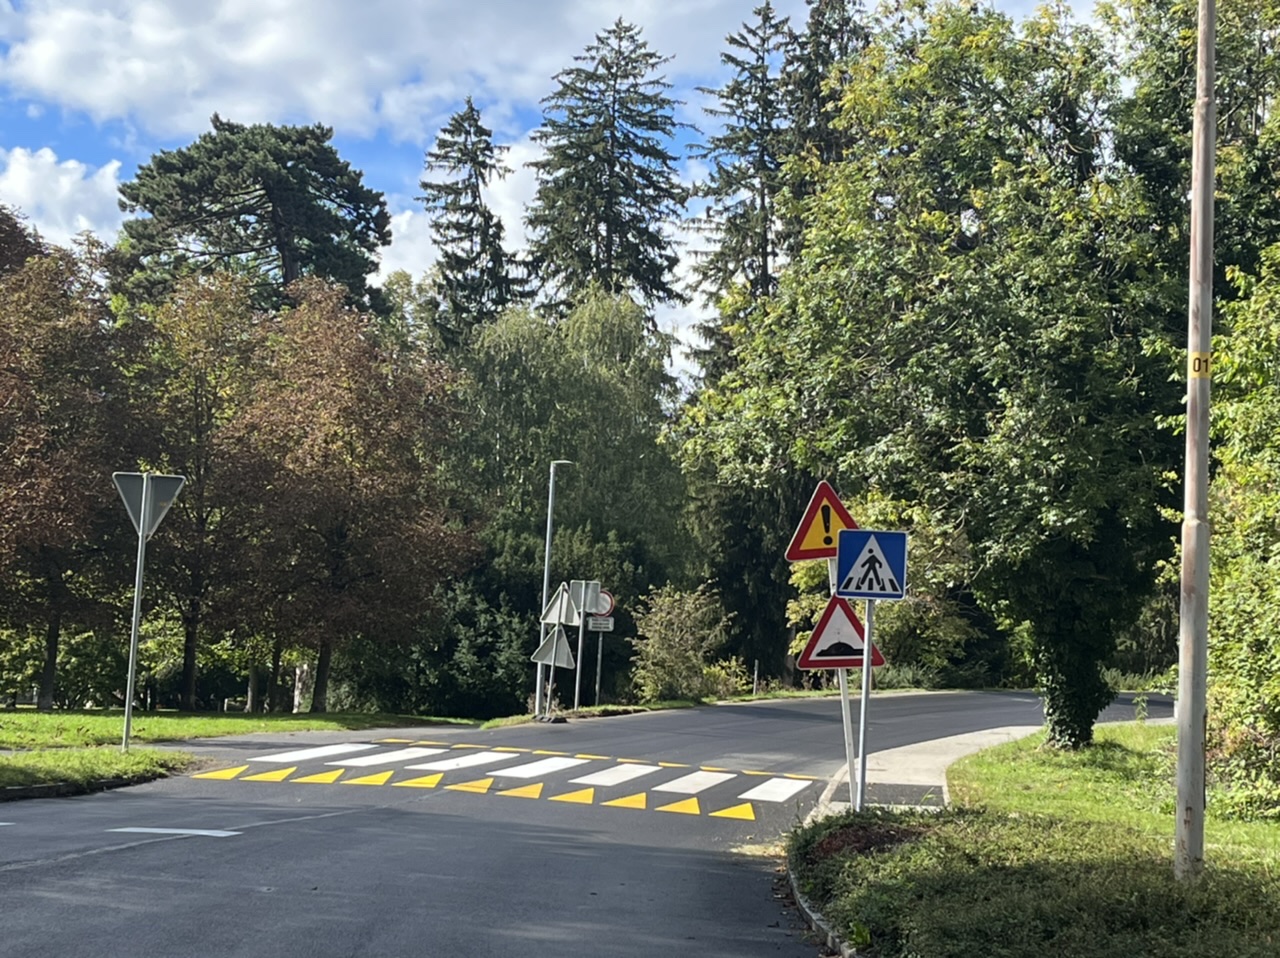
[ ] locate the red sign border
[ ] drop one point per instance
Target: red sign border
(806, 661)
(823, 494)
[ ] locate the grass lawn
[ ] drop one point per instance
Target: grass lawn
(1045, 854)
(82, 747)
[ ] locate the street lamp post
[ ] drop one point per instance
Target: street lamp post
(546, 579)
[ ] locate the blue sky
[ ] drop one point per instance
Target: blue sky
(90, 89)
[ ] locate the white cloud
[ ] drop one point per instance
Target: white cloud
(61, 197)
(393, 65)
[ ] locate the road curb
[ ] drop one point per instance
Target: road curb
(13, 793)
(816, 921)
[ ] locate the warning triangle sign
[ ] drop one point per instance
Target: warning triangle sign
(819, 531)
(871, 575)
(560, 610)
(554, 650)
(838, 641)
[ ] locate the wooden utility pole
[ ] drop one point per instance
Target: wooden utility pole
(1193, 657)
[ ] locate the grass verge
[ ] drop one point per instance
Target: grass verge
(22, 729)
(1045, 854)
(83, 767)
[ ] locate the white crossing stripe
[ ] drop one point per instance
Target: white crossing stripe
(694, 783)
(388, 758)
(466, 761)
(774, 790)
(543, 767)
(2, 824)
(205, 832)
(616, 775)
(305, 754)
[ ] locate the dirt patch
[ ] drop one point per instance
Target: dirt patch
(863, 837)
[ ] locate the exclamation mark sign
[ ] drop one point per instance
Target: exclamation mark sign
(826, 525)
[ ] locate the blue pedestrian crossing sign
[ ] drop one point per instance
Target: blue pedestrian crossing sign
(871, 564)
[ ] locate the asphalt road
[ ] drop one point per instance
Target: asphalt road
(637, 835)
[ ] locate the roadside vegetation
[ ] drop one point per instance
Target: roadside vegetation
(1045, 852)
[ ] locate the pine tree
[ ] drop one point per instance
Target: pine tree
(814, 78)
(607, 184)
(273, 202)
(474, 280)
(745, 178)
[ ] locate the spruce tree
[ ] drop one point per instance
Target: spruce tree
(815, 75)
(474, 278)
(607, 184)
(746, 176)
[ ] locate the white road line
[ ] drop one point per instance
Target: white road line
(775, 790)
(2, 824)
(466, 761)
(388, 758)
(616, 775)
(694, 783)
(206, 832)
(305, 754)
(543, 767)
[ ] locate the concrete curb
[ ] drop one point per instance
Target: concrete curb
(816, 921)
(12, 793)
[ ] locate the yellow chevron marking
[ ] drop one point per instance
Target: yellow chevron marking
(543, 751)
(802, 778)
(223, 774)
(582, 797)
(637, 800)
(425, 742)
(634, 761)
(322, 778)
(743, 811)
(380, 778)
(460, 745)
(278, 775)
(602, 758)
(427, 781)
(508, 748)
(712, 768)
(525, 791)
(673, 765)
(392, 741)
(688, 807)
(749, 772)
(479, 786)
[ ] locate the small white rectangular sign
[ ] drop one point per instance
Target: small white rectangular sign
(599, 623)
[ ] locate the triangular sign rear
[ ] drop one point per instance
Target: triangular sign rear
(818, 534)
(838, 641)
(554, 650)
(560, 610)
(161, 490)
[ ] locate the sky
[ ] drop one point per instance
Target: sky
(91, 89)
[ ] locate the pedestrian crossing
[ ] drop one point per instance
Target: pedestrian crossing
(540, 774)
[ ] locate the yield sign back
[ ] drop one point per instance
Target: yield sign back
(838, 641)
(819, 531)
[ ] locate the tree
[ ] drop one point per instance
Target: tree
(972, 329)
(607, 185)
(274, 202)
(203, 366)
(474, 278)
(63, 426)
(18, 241)
(348, 434)
(745, 178)
(817, 70)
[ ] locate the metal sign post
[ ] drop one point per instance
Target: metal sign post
(862, 713)
(147, 498)
(845, 716)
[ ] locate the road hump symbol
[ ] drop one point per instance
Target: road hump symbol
(818, 534)
(838, 640)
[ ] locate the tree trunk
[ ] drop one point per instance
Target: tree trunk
(320, 695)
(275, 690)
(252, 695)
(302, 676)
(49, 674)
(190, 631)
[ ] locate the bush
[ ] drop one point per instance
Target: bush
(678, 632)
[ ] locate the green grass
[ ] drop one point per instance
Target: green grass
(24, 729)
(82, 767)
(1046, 855)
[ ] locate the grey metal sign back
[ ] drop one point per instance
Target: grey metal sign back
(162, 490)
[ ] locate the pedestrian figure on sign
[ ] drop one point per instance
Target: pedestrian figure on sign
(871, 570)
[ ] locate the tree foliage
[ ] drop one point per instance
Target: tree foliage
(607, 184)
(274, 202)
